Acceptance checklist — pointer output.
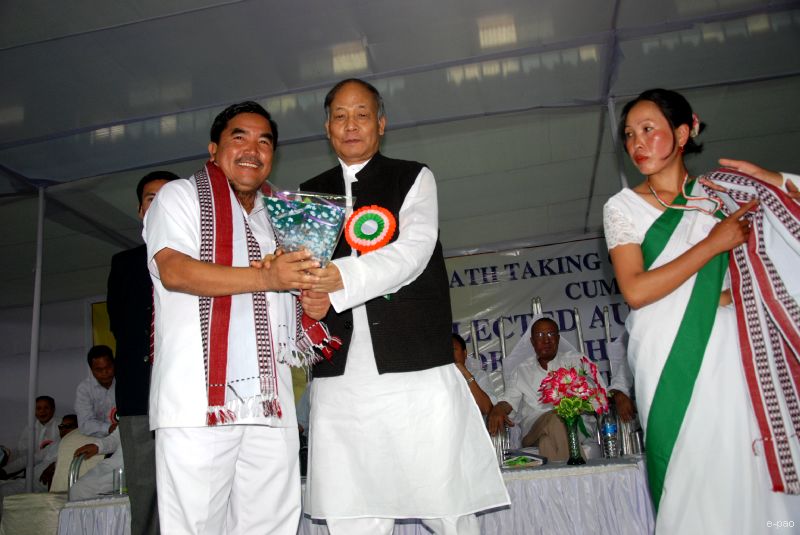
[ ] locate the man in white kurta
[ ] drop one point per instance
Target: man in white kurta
(406, 444)
(226, 433)
(95, 396)
(46, 441)
(539, 424)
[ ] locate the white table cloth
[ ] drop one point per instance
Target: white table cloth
(104, 516)
(603, 496)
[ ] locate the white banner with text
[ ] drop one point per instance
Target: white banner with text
(490, 288)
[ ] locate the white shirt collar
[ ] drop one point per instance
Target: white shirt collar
(350, 171)
(257, 206)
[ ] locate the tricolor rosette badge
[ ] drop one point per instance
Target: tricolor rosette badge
(370, 228)
(307, 220)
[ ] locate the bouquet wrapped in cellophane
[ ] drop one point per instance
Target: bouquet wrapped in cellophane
(312, 221)
(307, 220)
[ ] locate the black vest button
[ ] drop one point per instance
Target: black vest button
(348, 325)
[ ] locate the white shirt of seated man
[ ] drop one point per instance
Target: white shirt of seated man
(45, 441)
(95, 396)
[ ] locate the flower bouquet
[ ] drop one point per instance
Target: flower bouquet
(310, 220)
(574, 391)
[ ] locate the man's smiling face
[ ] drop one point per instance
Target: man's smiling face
(244, 152)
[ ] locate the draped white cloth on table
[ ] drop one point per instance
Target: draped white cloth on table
(602, 497)
(104, 516)
(594, 499)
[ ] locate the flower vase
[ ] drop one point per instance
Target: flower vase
(574, 444)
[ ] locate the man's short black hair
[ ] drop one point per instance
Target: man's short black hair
(48, 399)
(150, 177)
(461, 342)
(248, 106)
(97, 352)
(71, 417)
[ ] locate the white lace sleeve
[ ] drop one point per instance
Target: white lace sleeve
(619, 227)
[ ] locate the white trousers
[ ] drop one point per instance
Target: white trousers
(234, 479)
(451, 525)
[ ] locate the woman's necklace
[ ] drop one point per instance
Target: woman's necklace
(688, 197)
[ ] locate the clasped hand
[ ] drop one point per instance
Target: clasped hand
(316, 301)
(287, 271)
(329, 279)
(315, 304)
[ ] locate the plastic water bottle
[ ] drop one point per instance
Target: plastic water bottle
(610, 443)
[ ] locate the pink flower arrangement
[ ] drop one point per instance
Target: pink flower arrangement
(573, 391)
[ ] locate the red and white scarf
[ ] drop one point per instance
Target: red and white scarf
(768, 318)
(218, 208)
(300, 341)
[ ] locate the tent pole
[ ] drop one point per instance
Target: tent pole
(612, 121)
(33, 370)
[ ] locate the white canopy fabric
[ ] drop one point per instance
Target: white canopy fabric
(507, 101)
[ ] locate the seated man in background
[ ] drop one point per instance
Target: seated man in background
(478, 381)
(68, 424)
(540, 425)
(95, 397)
(95, 403)
(46, 443)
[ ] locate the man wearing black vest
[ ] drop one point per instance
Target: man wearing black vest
(394, 430)
(130, 311)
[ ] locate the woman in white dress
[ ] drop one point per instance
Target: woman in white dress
(670, 250)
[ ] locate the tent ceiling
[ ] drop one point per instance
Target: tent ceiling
(506, 100)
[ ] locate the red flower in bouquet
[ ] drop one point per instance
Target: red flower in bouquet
(573, 391)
